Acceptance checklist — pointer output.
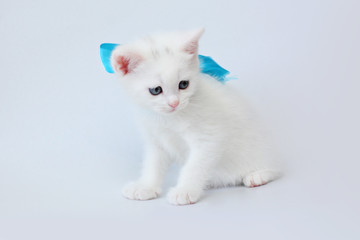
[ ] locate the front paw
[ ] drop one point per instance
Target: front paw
(139, 191)
(183, 196)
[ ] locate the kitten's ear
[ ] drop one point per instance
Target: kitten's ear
(192, 43)
(125, 62)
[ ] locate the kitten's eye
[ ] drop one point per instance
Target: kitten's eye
(155, 91)
(183, 84)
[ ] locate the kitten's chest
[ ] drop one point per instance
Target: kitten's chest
(172, 136)
(175, 129)
(174, 143)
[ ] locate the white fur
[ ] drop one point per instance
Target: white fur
(211, 133)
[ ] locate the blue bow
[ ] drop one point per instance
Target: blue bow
(207, 64)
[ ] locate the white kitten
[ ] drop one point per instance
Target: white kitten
(191, 118)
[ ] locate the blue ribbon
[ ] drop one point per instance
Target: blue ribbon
(207, 64)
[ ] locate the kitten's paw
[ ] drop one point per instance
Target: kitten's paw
(259, 178)
(138, 191)
(183, 196)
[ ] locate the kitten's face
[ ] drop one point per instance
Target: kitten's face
(165, 85)
(162, 78)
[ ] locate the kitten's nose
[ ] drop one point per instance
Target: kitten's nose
(174, 104)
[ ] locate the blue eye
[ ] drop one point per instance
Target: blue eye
(155, 91)
(183, 84)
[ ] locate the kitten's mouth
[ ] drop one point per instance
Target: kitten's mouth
(171, 110)
(174, 110)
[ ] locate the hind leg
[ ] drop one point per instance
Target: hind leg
(259, 178)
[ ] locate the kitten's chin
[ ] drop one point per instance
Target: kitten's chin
(171, 111)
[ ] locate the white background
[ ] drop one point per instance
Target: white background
(68, 143)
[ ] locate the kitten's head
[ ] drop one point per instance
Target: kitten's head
(160, 72)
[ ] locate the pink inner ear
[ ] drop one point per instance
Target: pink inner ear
(127, 64)
(191, 47)
(123, 64)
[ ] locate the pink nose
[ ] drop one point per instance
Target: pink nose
(174, 104)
